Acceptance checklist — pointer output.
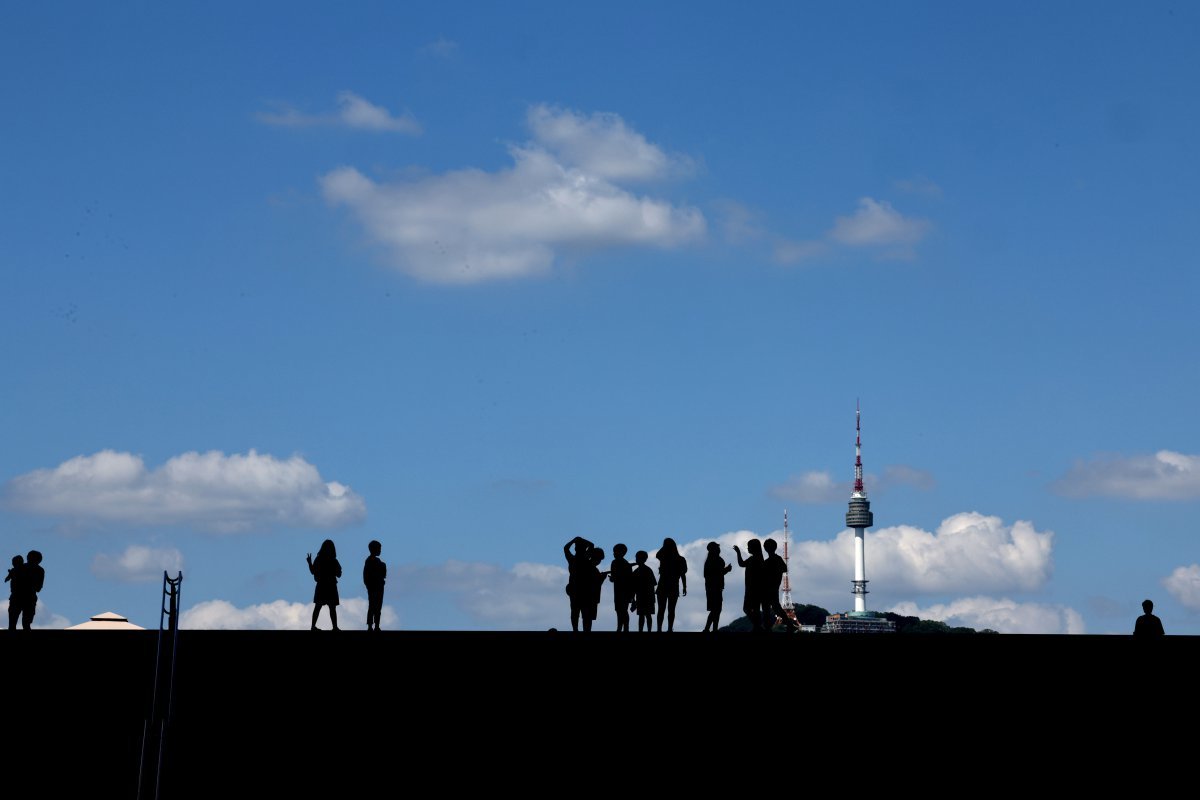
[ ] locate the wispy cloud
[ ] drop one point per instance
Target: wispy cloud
(353, 112)
(440, 47)
(919, 185)
(1165, 475)
(137, 564)
(876, 226)
(877, 223)
(206, 490)
(819, 486)
(561, 194)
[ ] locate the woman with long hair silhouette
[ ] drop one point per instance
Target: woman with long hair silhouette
(672, 570)
(325, 570)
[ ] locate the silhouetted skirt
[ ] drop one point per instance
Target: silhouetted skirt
(326, 594)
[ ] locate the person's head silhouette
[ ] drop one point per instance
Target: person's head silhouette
(375, 548)
(755, 547)
(34, 557)
(327, 550)
(714, 548)
(641, 556)
(619, 550)
(596, 555)
(18, 561)
(770, 545)
(1147, 606)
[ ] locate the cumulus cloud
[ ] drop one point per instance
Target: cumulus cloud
(968, 552)
(561, 194)
(207, 490)
(999, 614)
(1184, 585)
(279, 615)
(877, 224)
(43, 618)
(353, 112)
(818, 486)
(138, 564)
(1165, 475)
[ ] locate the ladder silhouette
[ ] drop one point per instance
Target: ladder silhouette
(156, 727)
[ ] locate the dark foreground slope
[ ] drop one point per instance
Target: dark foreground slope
(302, 714)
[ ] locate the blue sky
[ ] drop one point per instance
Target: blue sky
(473, 279)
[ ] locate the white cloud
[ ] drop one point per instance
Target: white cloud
(440, 47)
(353, 112)
(1184, 585)
(919, 185)
(138, 564)
(791, 252)
(814, 486)
(999, 614)
(560, 195)
(279, 615)
(1165, 475)
(601, 145)
(967, 552)
(207, 490)
(818, 486)
(878, 224)
(42, 617)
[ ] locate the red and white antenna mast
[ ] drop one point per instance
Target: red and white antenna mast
(788, 606)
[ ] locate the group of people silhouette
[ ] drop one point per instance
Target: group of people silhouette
(326, 569)
(635, 588)
(26, 578)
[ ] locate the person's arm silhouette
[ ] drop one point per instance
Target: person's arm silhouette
(741, 561)
(310, 565)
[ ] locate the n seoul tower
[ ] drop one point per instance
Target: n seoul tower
(859, 517)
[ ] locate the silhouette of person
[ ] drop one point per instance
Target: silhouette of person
(672, 570)
(620, 572)
(592, 603)
(753, 564)
(374, 577)
(715, 570)
(580, 575)
(325, 570)
(16, 591)
(1148, 624)
(643, 591)
(33, 576)
(774, 568)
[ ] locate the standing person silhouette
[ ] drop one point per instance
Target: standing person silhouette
(591, 603)
(33, 576)
(325, 570)
(672, 570)
(579, 579)
(643, 591)
(715, 570)
(374, 577)
(1148, 624)
(774, 568)
(620, 572)
(752, 603)
(16, 590)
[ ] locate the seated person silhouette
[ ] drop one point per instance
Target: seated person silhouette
(1148, 624)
